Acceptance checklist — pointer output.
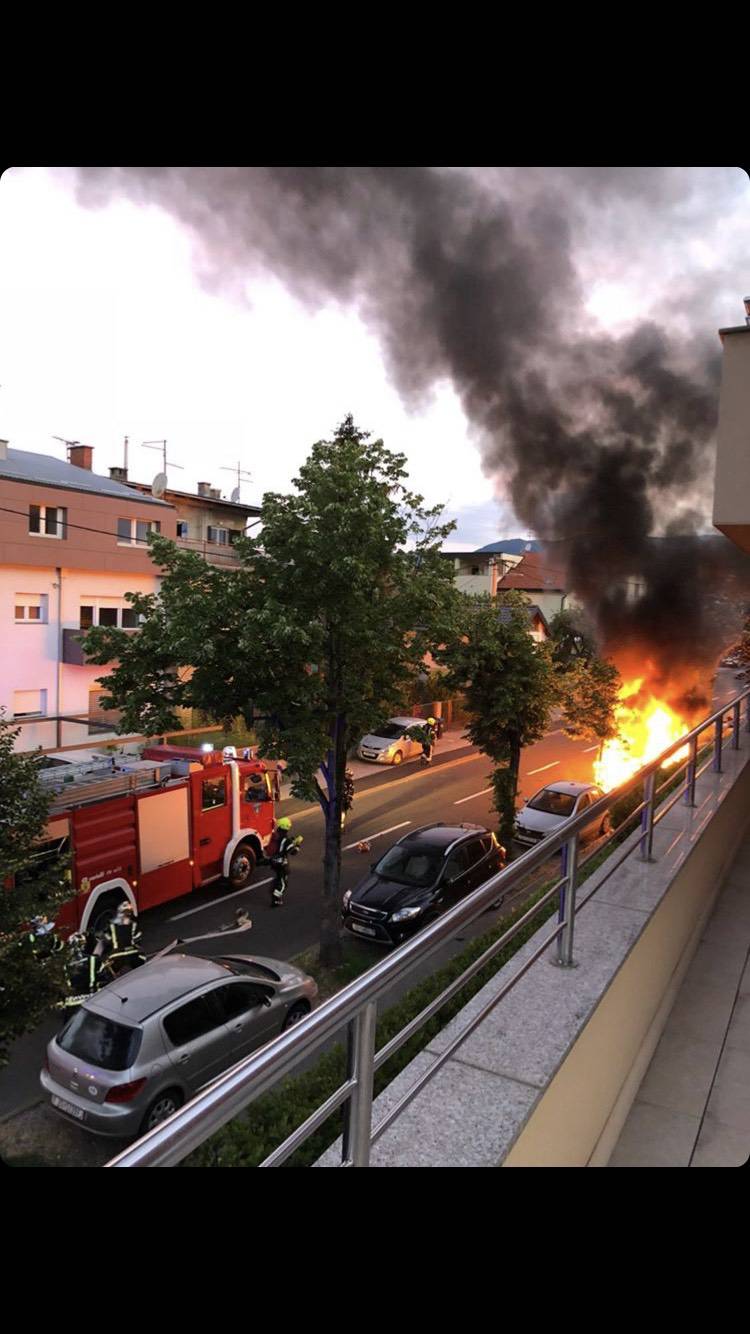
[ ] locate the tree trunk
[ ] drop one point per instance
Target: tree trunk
(331, 953)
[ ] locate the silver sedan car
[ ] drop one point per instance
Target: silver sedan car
(390, 744)
(140, 1047)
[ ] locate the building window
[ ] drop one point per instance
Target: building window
(182, 528)
(47, 520)
(30, 609)
(134, 532)
(29, 703)
(108, 613)
(220, 536)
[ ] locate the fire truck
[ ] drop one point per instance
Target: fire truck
(154, 828)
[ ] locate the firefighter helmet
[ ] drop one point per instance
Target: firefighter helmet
(432, 722)
(284, 823)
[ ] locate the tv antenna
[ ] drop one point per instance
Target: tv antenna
(162, 446)
(67, 443)
(241, 475)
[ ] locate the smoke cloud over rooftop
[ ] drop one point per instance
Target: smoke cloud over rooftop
(481, 277)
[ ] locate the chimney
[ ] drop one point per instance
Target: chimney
(204, 489)
(118, 474)
(747, 310)
(3, 449)
(81, 456)
(215, 493)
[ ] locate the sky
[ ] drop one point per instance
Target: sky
(109, 330)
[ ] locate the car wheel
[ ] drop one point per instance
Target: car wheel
(165, 1105)
(398, 757)
(242, 866)
(296, 1013)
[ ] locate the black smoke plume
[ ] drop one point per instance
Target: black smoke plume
(471, 275)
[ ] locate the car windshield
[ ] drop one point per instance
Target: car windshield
(98, 1040)
(411, 864)
(389, 731)
(552, 803)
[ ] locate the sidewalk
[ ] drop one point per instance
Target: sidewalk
(453, 739)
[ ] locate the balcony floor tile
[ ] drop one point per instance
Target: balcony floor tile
(655, 1137)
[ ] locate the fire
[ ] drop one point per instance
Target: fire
(646, 725)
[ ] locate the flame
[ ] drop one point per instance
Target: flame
(646, 725)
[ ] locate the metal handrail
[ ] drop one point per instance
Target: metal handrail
(355, 1005)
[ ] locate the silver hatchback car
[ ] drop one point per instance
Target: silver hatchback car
(140, 1047)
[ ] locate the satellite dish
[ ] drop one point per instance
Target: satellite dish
(236, 495)
(159, 485)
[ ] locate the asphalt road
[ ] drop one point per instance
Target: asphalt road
(455, 790)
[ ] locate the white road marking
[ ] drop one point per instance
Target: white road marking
(541, 771)
(483, 793)
(588, 748)
(254, 884)
(559, 731)
(367, 838)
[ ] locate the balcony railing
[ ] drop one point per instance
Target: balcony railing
(355, 1006)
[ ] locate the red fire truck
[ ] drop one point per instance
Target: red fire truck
(152, 829)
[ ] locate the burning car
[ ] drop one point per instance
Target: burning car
(553, 805)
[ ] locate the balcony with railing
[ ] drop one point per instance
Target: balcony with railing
(544, 1064)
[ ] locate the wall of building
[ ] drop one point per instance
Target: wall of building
(93, 545)
(29, 658)
(732, 480)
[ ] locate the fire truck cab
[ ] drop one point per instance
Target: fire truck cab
(153, 829)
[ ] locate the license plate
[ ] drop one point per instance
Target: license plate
(68, 1107)
(363, 930)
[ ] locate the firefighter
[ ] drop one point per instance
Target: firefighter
(122, 940)
(43, 938)
(281, 846)
(347, 797)
(428, 733)
(81, 971)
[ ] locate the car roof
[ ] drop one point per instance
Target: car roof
(571, 789)
(442, 835)
(156, 985)
(404, 720)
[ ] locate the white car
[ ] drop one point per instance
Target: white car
(552, 806)
(389, 744)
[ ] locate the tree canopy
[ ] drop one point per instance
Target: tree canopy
(32, 882)
(315, 637)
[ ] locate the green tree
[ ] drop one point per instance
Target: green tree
(509, 688)
(588, 693)
(313, 640)
(571, 638)
(32, 883)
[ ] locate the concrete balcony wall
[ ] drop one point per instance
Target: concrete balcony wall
(732, 481)
(548, 1076)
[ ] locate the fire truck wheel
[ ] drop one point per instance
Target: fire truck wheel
(104, 911)
(162, 1107)
(242, 866)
